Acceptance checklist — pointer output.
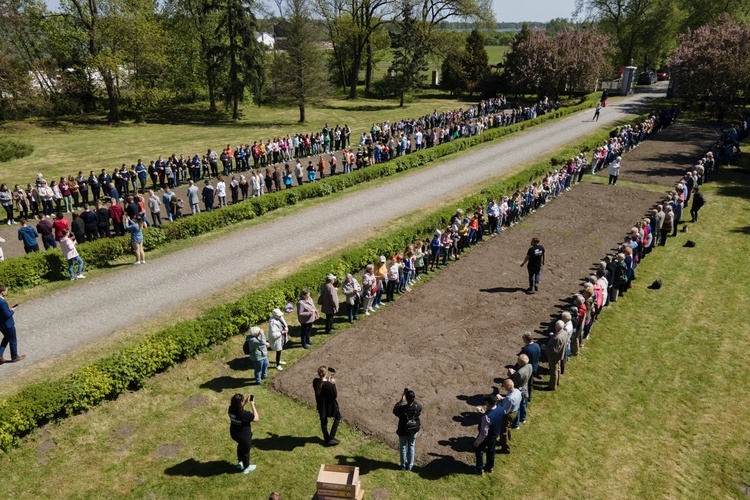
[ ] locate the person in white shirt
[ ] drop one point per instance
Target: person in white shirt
(69, 251)
(221, 192)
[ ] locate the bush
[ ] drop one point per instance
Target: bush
(14, 150)
(133, 366)
(31, 270)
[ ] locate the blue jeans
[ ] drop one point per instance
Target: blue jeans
(9, 337)
(71, 267)
(534, 277)
(407, 445)
(488, 446)
(521, 416)
(261, 369)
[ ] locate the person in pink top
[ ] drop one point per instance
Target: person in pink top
(68, 247)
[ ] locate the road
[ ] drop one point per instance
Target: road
(59, 323)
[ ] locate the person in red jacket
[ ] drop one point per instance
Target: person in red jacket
(115, 213)
(60, 224)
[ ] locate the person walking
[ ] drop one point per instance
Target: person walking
(408, 412)
(278, 332)
(69, 251)
(258, 353)
(597, 111)
(327, 403)
(535, 258)
(329, 301)
(306, 315)
(241, 431)
(8, 328)
(489, 428)
(135, 228)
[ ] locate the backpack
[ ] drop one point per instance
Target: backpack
(246, 348)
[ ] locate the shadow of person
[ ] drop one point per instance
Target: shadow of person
(475, 400)
(443, 465)
(276, 442)
(243, 363)
(193, 468)
(467, 418)
(366, 464)
(503, 289)
(460, 444)
(225, 382)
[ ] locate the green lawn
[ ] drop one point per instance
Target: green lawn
(67, 147)
(656, 406)
(496, 53)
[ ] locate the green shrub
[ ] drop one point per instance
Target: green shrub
(28, 271)
(133, 366)
(14, 150)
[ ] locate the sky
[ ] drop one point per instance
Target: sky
(532, 10)
(505, 10)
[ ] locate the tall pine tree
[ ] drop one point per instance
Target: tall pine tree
(409, 53)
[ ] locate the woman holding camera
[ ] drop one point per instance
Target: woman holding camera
(241, 431)
(328, 406)
(408, 411)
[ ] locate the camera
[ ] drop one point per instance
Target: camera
(406, 390)
(331, 370)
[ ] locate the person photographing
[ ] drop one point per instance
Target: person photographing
(327, 404)
(241, 431)
(408, 412)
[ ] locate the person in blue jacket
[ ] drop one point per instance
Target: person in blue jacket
(8, 328)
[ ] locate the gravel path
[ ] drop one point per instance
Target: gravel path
(57, 324)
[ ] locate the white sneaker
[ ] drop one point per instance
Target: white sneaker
(367, 313)
(80, 276)
(143, 262)
(72, 279)
(240, 466)
(249, 469)
(136, 262)
(279, 368)
(282, 362)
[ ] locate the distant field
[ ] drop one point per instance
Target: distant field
(496, 53)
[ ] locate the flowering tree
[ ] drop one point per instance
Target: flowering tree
(713, 61)
(573, 59)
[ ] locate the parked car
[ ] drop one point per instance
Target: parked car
(647, 78)
(662, 75)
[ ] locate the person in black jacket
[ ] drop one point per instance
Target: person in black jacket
(90, 223)
(102, 219)
(328, 406)
(241, 431)
(699, 199)
(408, 412)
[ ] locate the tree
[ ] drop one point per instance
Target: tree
(558, 25)
(713, 62)
(300, 72)
(237, 49)
(476, 61)
(454, 78)
(409, 54)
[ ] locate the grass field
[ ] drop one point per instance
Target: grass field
(656, 406)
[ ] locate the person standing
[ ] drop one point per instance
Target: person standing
(329, 301)
(241, 431)
(258, 353)
(536, 258)
(135, 228)
(45, 229)
(408, 412)
(154, 205)
(614, 171)
(699, 199)
(327, 403)
(69, 251)
(352, 292)
(8, 328)
(521, 377)
(556, 348)
(306, 315)
(489, 428)
(193, 197)
(533, 352)
(511, 404)
(29, 236)
(208, 194)
(278, 331)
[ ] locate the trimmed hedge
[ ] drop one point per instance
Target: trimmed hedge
(42, 267)
(13, 150)
(132, 367)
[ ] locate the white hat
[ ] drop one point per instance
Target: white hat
(277, 313)
(255, 330)
(382, 258)
(330, 277)
(437, 232)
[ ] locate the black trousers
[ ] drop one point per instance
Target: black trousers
(329, 323)
(244, 443)
(613, 179)
(306, 330)
(328, 436)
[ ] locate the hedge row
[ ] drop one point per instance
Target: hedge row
(13, 150)
(131, 367)
(41, 267)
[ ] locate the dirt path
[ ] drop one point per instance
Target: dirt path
(57, 324)
(451, 339)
